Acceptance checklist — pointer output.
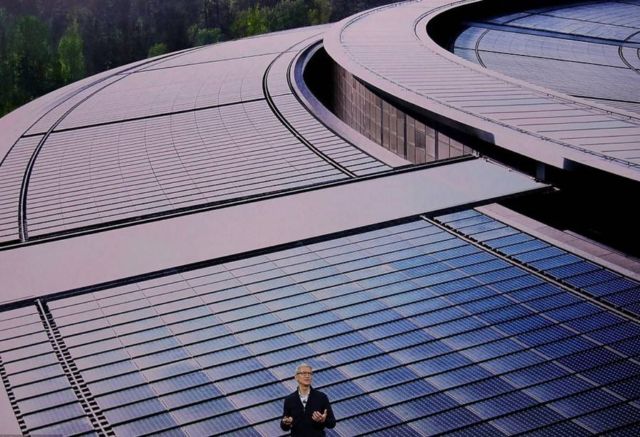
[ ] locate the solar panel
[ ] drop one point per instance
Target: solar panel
(556, 263)
(394, 343)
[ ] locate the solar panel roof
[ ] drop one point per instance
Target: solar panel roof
(410, 328)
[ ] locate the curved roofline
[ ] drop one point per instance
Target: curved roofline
(325, 116)
(524, 142)
(425, 36)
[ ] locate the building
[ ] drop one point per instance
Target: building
(178, 234)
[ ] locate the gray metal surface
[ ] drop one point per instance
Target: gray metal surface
(91, 259)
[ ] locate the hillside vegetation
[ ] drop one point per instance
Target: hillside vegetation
(45, 44)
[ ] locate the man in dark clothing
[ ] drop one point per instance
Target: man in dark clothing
(307, 412)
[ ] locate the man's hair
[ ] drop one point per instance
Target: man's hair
(300, 366)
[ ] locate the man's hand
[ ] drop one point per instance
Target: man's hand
(287, 420)
(319, 417)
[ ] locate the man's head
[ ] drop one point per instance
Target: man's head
(304, 375)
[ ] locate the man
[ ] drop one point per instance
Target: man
(307, 412)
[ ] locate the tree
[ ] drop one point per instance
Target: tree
(320, 13)
(5, 82)
(287, 14)
(70, 55)
(29, 60)
(252, 21)
(200, 37)
(157, 49)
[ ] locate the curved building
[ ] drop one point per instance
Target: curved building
(397, 199)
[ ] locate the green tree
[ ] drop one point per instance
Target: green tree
(29, 60)
(320, 13)
(157, 49)
(70, 54)
(287, 14)
(5, 83)
(252, 21)
(200, 37)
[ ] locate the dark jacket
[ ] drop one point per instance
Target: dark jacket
(303, 424)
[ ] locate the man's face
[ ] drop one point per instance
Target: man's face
(304, 376)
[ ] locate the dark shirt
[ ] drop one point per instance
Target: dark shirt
(303, 424)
